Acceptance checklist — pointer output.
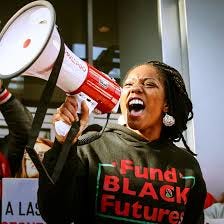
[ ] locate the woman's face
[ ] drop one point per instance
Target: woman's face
(31, 170)
(143, 101)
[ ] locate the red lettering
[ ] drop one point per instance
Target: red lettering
(74, 61)
(166, 193)
(148, 189)
(182, 196)
(151, 217)
(105, 202)
(110, 205)
(162, 212)
(139, 174)
(126, 189)
(125, 211)
(111, 183)
(126, 165)
(174, 217)
(136, 210)
(153, 173)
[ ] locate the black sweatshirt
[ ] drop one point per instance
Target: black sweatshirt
(122, 178)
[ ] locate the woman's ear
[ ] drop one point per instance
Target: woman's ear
(165, 107)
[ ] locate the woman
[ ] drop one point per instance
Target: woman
(132, 173)
(27, 169)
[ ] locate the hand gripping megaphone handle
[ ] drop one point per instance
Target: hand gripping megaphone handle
(61, 127)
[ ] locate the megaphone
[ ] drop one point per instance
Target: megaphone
(30, 44)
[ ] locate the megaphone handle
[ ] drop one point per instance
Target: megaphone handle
(61, 127)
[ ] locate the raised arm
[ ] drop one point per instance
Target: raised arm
(58, 202)
(19, 121)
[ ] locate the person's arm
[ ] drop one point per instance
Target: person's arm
(194, 212)
(19, 121)
(59, 202)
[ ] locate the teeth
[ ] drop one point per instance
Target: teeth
(136, 101)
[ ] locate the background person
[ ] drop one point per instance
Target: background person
(216, 210)
(28, 169)
(209, 200)
(133, 173)
(19, 120)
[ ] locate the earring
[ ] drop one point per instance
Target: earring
(168, 120)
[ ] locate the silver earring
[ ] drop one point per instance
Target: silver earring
(168, 120)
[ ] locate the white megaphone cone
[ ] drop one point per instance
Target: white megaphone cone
(29, 45)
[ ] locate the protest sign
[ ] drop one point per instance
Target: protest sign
(19, 201)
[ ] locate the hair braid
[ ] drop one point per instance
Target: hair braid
(179, 104)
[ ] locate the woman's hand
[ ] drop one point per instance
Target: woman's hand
(68, 113)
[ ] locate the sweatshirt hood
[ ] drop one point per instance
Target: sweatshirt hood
(132, 136)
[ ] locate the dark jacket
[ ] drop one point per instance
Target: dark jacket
(19, 121)
(122, 178)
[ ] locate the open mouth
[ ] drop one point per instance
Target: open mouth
(136, 107)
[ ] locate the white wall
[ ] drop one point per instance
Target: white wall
(192, 34)
(173, 33)
(205, 21)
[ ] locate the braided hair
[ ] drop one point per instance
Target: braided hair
(179, 104)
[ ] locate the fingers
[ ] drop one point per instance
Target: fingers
(84, 118)
(67, 113)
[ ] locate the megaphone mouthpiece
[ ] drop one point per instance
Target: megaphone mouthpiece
(24, 37)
